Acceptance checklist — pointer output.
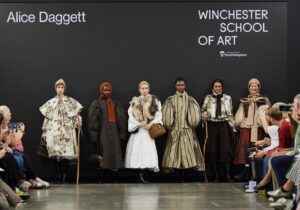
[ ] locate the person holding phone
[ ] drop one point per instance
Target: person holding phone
(15, 146)
(11, 173)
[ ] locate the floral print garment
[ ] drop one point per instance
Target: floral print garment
(59, 125)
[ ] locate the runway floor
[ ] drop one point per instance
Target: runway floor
(187, 196)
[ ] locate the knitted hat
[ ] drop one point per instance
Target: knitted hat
(254, 81)
(60, 82)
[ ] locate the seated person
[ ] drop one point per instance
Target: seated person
(12, 174)
(20, 156)
(268, 143)
(281, 164)
(285, 191)
(284, 137)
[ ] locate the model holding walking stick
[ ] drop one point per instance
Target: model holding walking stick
(61, 118)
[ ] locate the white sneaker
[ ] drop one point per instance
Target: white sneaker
(46, 184)
(283, 203)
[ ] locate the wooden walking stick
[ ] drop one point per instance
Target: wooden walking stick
(78, 156)
(204, 147)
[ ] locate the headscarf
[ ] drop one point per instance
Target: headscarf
(110, 106)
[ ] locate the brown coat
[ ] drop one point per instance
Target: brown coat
(106, 135)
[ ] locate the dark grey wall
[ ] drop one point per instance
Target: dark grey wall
(293, 49)
(129, 42)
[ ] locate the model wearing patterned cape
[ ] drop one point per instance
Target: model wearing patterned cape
(61, 115)
(181, 115)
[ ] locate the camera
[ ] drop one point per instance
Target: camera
(285, 108)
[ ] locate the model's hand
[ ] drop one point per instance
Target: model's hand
(147, 127)
(79, 124)
(143, 124)
(204, 117)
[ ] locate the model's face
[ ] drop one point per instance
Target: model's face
(253, 89)
(60, 90)
(106, 91)
(144, 89)
(217, 88)
(180, 86)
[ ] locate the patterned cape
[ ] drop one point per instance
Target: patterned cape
(59, 125)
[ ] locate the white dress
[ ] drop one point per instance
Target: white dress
(141, 150)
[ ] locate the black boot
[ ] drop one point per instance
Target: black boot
(244, 176)
(176, 175)
(101, 179)
(58, 171)
(227, 170)
(115, 176)
(63, 178)
(182, 176)
(217, 178)
(64, 169)
(142, 177)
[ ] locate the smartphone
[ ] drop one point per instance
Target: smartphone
(285, 108)
(13, 126)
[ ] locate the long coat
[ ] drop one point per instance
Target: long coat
(181, 115)
(106, 135)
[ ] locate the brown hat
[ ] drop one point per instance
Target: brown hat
(60, 82)
(254, 81)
